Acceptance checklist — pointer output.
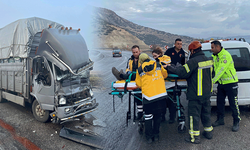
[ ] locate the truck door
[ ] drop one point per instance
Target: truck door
(43, 85)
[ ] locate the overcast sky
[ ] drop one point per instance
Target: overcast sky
(196, 18)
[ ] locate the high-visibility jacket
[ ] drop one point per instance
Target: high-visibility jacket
(225, 72)
(131, 65)
(150, 78)
(198, 72)
(164, 59)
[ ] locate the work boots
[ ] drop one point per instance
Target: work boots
(208, 135)
(235, 127)
(116, 73)
(121, 72)
(196, 139)
(218, 122)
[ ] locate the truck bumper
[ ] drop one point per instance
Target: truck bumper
(70, 112)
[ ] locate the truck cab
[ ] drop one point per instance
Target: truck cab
(47, 65)
(60, 77)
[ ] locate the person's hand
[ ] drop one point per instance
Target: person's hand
(171, 68)
(178, 64)
(166, 65)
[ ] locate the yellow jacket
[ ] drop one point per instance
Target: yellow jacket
(164, 59)
(130, 64)
(150, 78)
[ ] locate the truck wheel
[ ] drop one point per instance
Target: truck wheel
(40, 114)
(1, 98)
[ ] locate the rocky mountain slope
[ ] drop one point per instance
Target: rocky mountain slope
(115, 31)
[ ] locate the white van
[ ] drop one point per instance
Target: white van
(239, 51)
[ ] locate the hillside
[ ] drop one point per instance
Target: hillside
(113, 30)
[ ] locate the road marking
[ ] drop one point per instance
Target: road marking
(22, 140)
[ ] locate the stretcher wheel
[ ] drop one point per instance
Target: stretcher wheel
(181, 128)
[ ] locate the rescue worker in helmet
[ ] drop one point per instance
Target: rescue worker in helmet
(198, 72)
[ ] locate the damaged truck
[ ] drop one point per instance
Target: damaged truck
(47, 65)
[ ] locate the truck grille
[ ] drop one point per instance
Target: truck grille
(71, 99)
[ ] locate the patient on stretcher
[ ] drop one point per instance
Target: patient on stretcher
(120, 75)
(124, 76)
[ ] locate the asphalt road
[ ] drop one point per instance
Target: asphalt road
(27, 132)
(122, 137)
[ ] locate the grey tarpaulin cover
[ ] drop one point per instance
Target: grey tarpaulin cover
(16, 37)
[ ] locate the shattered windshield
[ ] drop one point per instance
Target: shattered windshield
(60, 74)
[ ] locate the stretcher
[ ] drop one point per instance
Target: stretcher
(174, 85)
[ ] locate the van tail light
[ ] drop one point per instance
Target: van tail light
(113, 53)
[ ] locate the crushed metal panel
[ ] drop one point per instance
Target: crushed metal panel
(62, 42)
(93, 141)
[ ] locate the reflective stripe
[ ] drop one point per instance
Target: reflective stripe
(154, 97)
(158, 68)
(187, 68)
(208, 129)
(205, 64)
(194, 133)
(142, 74)
(218, 74)
(140, 110)
(148, 117)
(199, 82)
(191, 128)
(191, 131)
(139, 106)
(237, 106)
(211, 69)
(229, 78)
(167, 62)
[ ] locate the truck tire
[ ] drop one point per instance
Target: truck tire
(40, 114)
(1, 98)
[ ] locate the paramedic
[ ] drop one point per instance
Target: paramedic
(157, 54)
(225, 75)
(150, 78)
(132, 66)
(198, 72)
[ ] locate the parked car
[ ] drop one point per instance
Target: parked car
(117, 52)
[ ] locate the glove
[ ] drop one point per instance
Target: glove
(178, 64)
(171, 68)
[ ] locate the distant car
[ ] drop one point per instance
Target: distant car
(117, 52)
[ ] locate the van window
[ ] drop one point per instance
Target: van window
(241, 57)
